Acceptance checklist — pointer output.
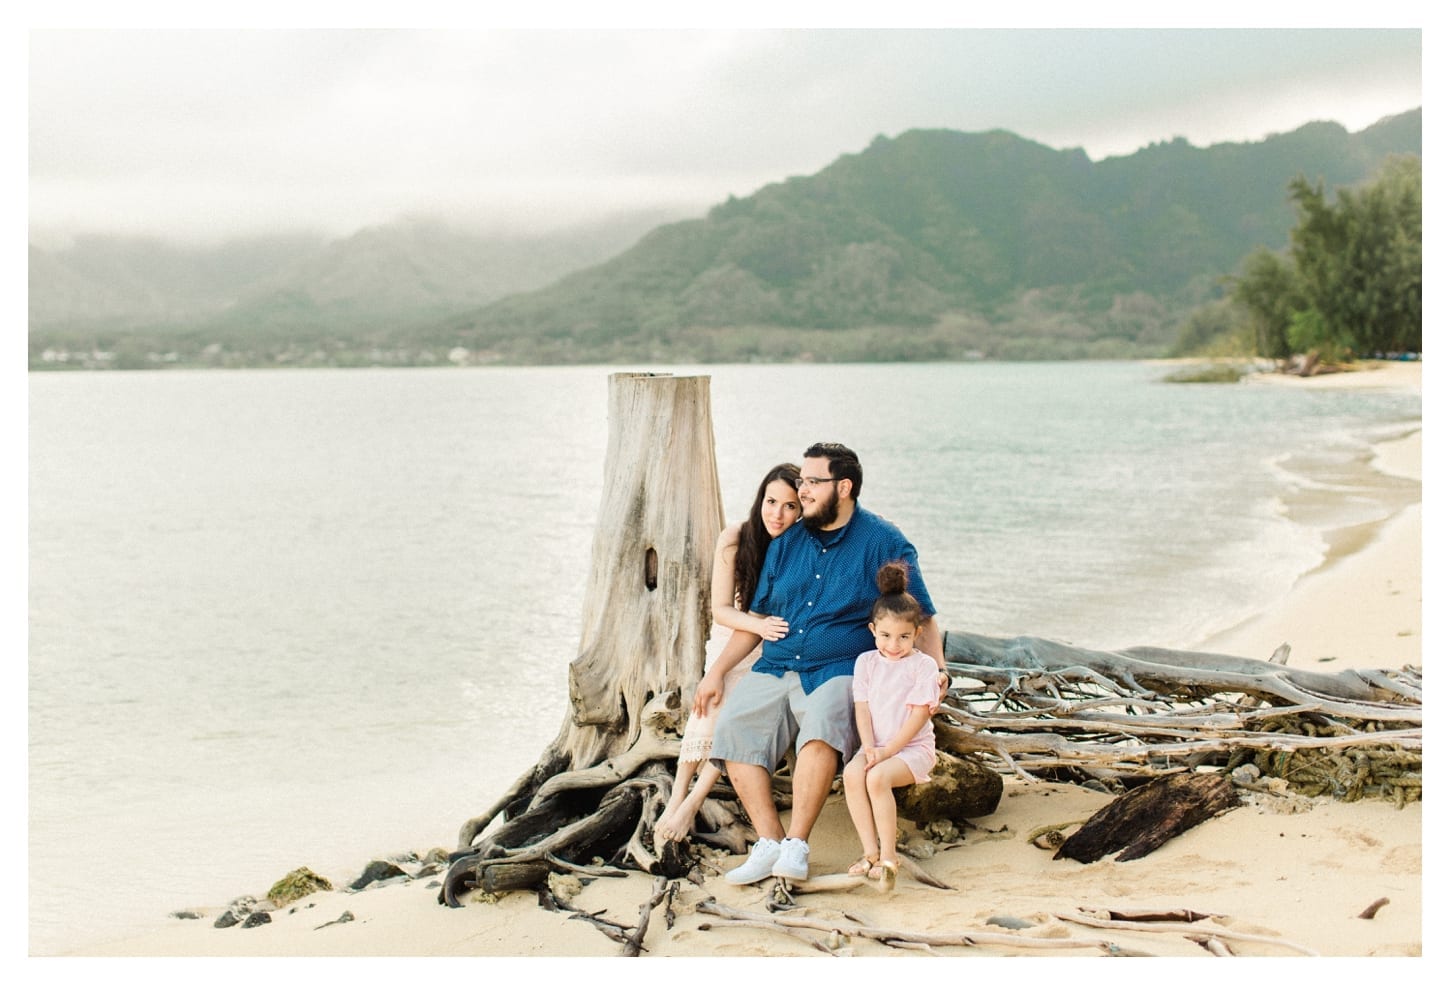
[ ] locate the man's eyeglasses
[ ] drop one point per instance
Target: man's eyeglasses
(811, 480)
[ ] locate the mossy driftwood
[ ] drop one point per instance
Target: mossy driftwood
(1048, 709)
(1033, 707)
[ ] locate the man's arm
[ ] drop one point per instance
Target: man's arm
(930, 643)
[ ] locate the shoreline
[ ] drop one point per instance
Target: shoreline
(1288, 873)
(1378, 564)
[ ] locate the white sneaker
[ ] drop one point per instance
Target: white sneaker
(758, 865)
(794, 861)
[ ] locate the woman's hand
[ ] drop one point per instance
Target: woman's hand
(773, 628)
(873, 756)
(708, 692)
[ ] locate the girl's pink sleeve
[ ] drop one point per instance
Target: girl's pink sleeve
(924, 690)
(860, 681)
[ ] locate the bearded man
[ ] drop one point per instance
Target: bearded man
(820, 577)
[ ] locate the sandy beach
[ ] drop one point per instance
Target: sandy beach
(1278, 877)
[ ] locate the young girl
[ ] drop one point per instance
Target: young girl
(895, 690)
(739, 554)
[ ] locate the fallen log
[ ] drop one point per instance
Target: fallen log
(514, 875)
(1143, 819)
(1154, 673)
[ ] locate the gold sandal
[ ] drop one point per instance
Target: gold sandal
(863, 865)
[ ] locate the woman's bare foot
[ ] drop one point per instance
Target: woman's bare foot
(669, 827)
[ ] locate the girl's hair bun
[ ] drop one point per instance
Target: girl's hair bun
(891, 579)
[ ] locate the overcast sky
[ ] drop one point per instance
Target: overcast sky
(213, 133)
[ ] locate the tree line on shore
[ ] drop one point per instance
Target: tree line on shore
(1347, 286)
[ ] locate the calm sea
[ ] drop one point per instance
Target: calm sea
(275, 617)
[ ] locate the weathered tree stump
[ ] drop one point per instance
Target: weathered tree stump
(600, 783)
(1143, 819)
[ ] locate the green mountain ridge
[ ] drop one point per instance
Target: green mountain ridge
(961, 241)
(934, 244)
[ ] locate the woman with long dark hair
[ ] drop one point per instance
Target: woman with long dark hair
(739, 554)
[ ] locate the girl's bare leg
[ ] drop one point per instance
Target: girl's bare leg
(858, 802)
(880, 781)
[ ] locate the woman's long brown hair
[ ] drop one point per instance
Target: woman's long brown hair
(754, 538)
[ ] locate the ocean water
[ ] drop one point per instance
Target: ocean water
(316, 617)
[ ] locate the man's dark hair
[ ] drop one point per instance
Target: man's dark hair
(843, 463)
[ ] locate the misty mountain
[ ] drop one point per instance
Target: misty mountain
(937, 243)
(378, 279)
(120, 281)
(934, 244)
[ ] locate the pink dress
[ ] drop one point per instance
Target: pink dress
(890, 687)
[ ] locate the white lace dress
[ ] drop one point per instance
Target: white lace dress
(700, 731)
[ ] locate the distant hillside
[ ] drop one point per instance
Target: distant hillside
(263, 297)
(125, 282)
(382, 279)
(937, 244)
(934, 244)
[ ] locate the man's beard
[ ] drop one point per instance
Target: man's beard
(826, 516)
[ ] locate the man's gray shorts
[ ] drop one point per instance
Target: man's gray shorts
(765, 714)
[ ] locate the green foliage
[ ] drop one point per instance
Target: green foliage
(1310, 331)
(1359, 260)
(1216, 329)
(1208, 373)
(1350, 285)
(1268, 290)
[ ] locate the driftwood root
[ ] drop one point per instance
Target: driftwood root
(1143, 819)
